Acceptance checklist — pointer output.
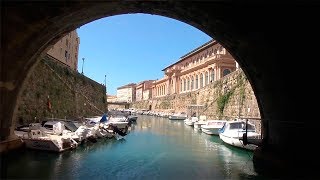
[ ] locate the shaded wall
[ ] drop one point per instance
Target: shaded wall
(71, 94)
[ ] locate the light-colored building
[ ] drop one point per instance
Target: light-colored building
(111, 98)
(195, 70)
(126, 93)
(147, 93)
(66, 50)
(143, 90)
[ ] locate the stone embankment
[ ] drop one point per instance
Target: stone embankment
(228, 98)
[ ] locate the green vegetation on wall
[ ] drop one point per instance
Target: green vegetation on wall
(223, 100)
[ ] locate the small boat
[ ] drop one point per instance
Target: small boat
(37, 139)
(190, 121)
(132, 118)
(232, 133)
(212, 127)
(194, 110)
(197, 125)
(178, 116)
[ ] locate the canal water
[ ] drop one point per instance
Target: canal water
(156, 148)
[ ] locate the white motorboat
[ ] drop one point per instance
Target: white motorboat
(232, 133)
(194, 110)
(190, 121)
(37, 139)
(120, 121)
(197, 125)
(178, 116)
(212, 127)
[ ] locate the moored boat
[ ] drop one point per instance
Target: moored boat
(232, 133)
(37, 139)
(212, 127)
(178, 116)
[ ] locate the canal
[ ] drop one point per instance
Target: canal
(156, 148)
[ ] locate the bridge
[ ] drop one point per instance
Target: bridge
(274, 43)
(125, 104)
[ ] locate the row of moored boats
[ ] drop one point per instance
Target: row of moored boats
(239, 133)
(59, 135)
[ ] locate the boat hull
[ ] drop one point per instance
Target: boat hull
(177, 118)
(210, 131)
(47, 145)
(235, 141)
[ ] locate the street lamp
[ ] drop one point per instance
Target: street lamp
(82, 65)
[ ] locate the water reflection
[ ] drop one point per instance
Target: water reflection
(156, 148)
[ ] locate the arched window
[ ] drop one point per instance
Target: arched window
(226, 71)
(192, 83)
(207, 78)
(201, 80)
(197, 80)
(212, 75)
(180, 85)
(184, 85)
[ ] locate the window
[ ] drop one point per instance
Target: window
(226, 71)
(201, 80)
(188, 84)
(212, 75)
(197, 81)
(207, 78)
(192, 82)
(184, 85)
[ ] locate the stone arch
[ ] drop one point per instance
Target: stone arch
(267, 65)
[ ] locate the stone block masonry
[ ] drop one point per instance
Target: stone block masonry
(71, 94)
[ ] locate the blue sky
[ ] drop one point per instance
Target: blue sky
(134, 47)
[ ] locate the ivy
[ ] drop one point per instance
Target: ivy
(223, 100)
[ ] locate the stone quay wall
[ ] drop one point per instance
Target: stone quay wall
(227, 98)
(71, 94)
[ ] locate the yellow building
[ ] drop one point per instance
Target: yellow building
(195, 70)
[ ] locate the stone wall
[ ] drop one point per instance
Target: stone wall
(71, 94)
(229, 97)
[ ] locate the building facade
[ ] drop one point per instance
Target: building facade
(66, 50)
(126, 93)
(195, 70)
(143, 90)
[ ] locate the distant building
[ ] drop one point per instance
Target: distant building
(143, 90)
(195, 70)
(111, 98)
(66, 50)
(147, 93)
(126, 93)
